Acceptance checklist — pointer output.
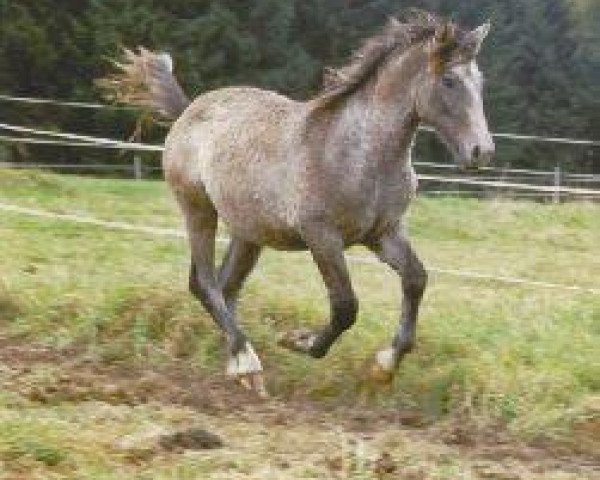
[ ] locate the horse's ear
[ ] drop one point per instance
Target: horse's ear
(472, 42)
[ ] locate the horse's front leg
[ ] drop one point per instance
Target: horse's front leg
(395, 250)
(327, 250)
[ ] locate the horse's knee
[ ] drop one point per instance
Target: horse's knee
(344, 313)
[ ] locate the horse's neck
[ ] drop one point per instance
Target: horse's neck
(380, 120)
(391, 130)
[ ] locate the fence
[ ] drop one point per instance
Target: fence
(554, 184)
(166, 232)
(435, 178)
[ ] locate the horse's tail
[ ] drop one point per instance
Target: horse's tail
(146, 79)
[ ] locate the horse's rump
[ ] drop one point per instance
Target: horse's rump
(242, 147)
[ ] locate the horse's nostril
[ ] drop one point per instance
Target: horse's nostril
(476, 152)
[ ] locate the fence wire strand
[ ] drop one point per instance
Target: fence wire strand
(167, 232)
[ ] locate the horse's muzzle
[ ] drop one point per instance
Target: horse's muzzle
(479, 155)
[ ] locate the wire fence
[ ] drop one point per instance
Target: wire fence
(434, 178)
(353, 258)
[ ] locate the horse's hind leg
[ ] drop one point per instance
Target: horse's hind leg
(240, 259)
(201, 223)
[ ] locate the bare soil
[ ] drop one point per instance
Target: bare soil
(482, 453)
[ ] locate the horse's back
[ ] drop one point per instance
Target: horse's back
(235, 146)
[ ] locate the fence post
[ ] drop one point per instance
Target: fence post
(503, 178)
(137, 167)
(557, 175)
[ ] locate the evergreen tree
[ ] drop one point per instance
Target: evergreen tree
(542, 60)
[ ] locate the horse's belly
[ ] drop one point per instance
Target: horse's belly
(277, 238)
(258, 217)
(256, 222)
(259, 205)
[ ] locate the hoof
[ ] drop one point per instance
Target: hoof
(301, 341)
(254, 382)
(245, 367)
(383, 368)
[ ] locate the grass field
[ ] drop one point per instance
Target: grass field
(102, 348)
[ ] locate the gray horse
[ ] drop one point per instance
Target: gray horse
(320, 175)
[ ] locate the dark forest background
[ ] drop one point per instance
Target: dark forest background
(541, 61)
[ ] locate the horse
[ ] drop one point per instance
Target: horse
(321, 175)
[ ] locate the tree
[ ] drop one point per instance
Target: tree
(542, 60)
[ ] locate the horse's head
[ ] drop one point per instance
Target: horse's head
(449, 94)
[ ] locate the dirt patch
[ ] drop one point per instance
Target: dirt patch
(49, 376)
(10, 307)
(190, 439)
(587, 429)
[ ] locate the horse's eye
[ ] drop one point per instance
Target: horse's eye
(448, 82)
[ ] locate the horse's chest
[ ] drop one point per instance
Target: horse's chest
(397, 190)
(393, 194)
(377, 203)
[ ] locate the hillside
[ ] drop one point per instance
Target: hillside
(102, 347)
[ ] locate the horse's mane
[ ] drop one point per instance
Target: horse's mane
(396, 37)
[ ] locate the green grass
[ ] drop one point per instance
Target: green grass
(520, 356)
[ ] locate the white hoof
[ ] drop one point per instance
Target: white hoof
(386, 359)
(384, 366)
(245, 368)
(246, 362)
(254, 382)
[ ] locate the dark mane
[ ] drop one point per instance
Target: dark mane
(397, 36)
